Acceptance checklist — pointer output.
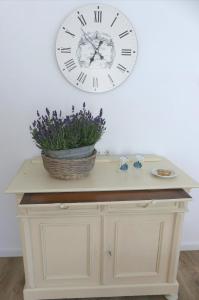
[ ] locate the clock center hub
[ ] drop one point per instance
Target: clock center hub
(95, 50)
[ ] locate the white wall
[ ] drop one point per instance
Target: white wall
(155, 111)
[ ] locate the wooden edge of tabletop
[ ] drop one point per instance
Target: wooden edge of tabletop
(106, 196)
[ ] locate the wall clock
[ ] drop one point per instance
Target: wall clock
(96, 48)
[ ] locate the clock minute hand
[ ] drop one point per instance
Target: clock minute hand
(91, 42)
(88, 39)
(100, 43)
(97, 51)
(93, 57)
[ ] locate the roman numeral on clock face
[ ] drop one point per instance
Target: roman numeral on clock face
(82, 77)
(97, 16)
(95, 83)
(111, 79)
(64, 50)
(70, 64)
(121, 68)
(126, 52)
(68, 32)
(123, 34)
(81, 19)
(114, 20)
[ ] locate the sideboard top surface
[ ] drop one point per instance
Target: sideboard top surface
(105, 176)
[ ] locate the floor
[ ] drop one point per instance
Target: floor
(12, 279)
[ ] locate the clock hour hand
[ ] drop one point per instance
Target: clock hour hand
(100, 55)
(92, 58)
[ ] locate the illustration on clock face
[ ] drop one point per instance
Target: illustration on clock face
(95, 50)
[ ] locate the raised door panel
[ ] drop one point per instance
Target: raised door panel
(66, 251)
(137, 248)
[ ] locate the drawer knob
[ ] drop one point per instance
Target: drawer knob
(109, 253)
(63, 206)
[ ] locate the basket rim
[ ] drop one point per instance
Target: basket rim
(76, 159)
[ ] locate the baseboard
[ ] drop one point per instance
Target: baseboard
(10, 252)
(189, 246)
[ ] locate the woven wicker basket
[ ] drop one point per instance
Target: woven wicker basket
(69, 168)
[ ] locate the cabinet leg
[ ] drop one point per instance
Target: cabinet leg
(171, 297)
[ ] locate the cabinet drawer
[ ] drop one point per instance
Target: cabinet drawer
(154, 205)
(58, 209)
(92, 202)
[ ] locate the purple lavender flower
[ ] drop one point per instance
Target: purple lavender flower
(47, 111)
(55, 131)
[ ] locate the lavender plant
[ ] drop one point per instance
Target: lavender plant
(53, 131)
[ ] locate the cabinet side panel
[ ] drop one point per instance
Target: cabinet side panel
(25, 233)
(175, 249)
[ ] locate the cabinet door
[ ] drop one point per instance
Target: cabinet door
(137, 248)
(65, 250)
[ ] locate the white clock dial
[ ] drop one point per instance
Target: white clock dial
(96, 48)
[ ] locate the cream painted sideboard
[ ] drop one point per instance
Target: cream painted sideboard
(111, 234)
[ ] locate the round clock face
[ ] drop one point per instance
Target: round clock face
(96, 48)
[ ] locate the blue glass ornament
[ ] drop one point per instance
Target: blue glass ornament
(124, 163)
(124, 167)
(137, 165)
